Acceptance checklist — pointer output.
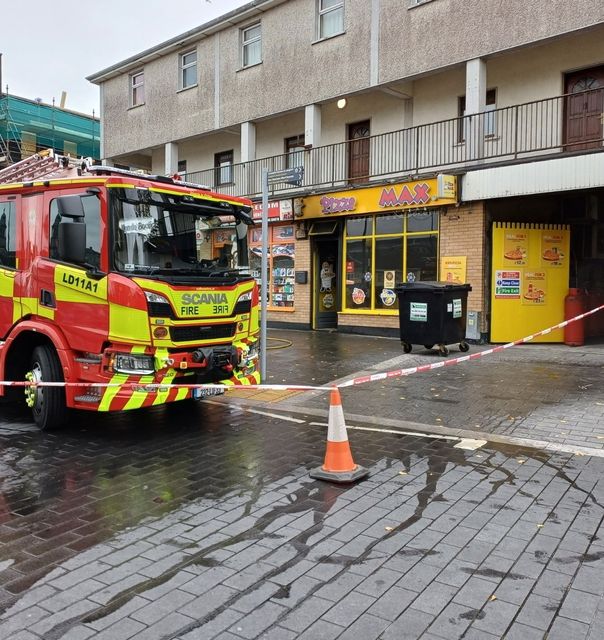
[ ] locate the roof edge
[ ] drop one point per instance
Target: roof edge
(205, 30)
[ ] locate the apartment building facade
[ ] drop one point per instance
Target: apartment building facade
(440, 140)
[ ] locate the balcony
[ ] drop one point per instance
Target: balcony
(566, 124)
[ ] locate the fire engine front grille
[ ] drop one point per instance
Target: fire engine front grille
(203, 332)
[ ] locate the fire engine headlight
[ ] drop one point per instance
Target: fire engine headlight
(159, 306)
(133, 364)
(244, 303)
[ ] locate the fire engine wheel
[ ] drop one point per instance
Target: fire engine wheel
(46, 403)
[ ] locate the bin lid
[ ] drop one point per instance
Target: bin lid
(432, 286)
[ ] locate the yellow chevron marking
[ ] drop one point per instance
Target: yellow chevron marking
(111, 392)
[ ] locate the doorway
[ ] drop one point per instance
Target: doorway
(583, 109)
(325, 283)
(358, 151)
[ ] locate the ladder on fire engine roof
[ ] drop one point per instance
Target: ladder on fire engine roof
(45, 164)
(48, 165)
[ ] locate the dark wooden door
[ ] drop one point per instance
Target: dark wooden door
(584, 109)
(358, 151)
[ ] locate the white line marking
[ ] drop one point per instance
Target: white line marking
(470, 444)
(395, 431)
(275, 415)
(261, 413)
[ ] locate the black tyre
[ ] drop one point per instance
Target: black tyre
(443, 350)
(46, 403)
(406, 347)
(464, 346)
(428, 346)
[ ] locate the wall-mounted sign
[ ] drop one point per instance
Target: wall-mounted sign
(277, 210)
(507, 284)
(453, 269)
(406, 195)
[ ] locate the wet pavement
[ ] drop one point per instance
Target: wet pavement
(201, 522)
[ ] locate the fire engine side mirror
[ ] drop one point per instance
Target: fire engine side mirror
(72, 242)
(70, 207)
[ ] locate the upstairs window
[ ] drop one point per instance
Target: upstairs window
(137, 88)
(223, 162)
(251, 45)
(330, 18)
(188, 69)
(294, 148)
(489, 116)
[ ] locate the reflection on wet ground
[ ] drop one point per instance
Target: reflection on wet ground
(204, 516)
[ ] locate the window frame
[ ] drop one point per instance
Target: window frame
(11, 232)
(294, 148)
(372, 237)
(219, 167)
(490, 106)
(246, 43)
(182, 68)
(135, 87)
(322, 12)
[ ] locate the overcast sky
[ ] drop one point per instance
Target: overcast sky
(50, 47)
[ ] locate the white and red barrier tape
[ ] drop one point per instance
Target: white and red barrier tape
(157, 387)
(473, 356)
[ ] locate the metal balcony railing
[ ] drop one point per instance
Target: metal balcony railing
(563, 124)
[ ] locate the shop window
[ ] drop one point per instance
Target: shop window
(137, 89)
(489, 124)
(281, 264)
(383, 251)
(251, 45)
(223, 162)
(8, 234)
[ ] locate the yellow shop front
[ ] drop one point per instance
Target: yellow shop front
(364, 242)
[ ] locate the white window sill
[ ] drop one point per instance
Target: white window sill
(192, 86)
(249, 66)
(335, 35)
(413, 4)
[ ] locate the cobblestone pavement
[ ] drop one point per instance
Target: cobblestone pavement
(201, 522)
(544, 392)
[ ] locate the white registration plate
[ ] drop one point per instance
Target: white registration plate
(200, 394)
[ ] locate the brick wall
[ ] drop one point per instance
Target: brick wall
(463, 233)
(302, 292)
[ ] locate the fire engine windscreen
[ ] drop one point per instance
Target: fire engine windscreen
(162, 233)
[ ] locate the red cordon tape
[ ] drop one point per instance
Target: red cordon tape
(155, 387)
(474, 356)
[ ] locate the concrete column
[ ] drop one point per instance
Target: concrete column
(248, 154)
(171, 158)
(248, 141)
(312, 125)
(476, 95)
(107, 162)
(312, 136)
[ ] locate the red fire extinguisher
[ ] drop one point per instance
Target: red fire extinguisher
(574, 305)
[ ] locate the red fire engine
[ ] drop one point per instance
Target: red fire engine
(105, 279)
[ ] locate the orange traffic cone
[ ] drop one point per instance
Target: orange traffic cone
(338, 465)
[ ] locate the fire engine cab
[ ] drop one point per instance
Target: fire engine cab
(104, 283)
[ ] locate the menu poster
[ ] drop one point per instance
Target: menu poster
(453, 269)
(534, 288)
(551, 249)
(515, 247)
